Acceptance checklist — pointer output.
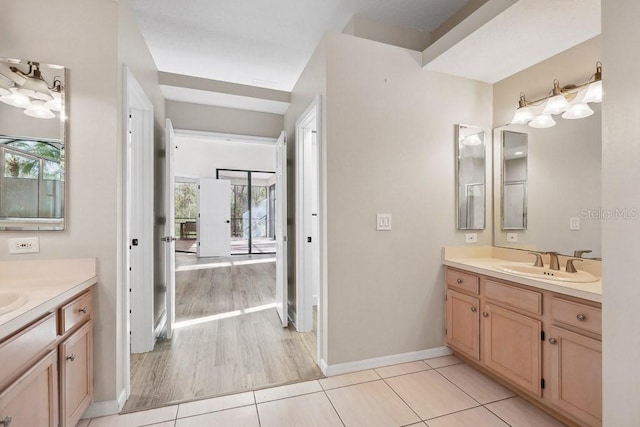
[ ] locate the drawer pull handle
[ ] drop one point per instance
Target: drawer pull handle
(459, 280)
(581, 317)
(474, 309)
(7, 420)
(485, 314)
(72, 357)
(553, 341)
(83, 310)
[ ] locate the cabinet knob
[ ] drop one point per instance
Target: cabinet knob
(485, 314)
(581, 317)
(553, 341)
(474, 309)
(7, 420)
(83, 310)
(72, 357)
(458, 280)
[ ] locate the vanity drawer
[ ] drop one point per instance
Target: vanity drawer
(23, 348)
(462, 281)
(511, 296)
(75, 312)
(575, 314)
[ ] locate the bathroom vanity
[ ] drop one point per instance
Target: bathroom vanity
(46, 341)
(541, 337)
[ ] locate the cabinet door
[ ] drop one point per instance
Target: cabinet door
(463, 323)
(32, 400)
(576, 375)
(512, 346)
(76, 375)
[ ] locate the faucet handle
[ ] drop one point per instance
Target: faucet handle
(539, 262)
(578, 253)
(570, 267)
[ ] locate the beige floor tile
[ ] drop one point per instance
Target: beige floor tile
(401, 369)
(285, 391)
(349, 379)
(371, 404)
(476, 417)
(517, 412)
(439, 362)
(309, 410)
(83, 423)
(165, 424)
(246, 416)
(136, 419)
(475, 383)
(430, 394)
(199, 407)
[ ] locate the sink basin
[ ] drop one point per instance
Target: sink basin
(545, 273)
(10, 301)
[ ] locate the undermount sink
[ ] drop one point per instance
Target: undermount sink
(10, 301)
(545, 273)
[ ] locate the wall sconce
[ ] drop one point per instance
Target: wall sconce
(571, 101)
(31, 92)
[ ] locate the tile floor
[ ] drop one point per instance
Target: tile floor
(440, 392)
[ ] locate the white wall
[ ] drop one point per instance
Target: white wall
(620, 238)
(390, 148)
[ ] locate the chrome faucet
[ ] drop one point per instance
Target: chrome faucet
(554, 264)
(570, 267)
(578, 253)
(539, 262)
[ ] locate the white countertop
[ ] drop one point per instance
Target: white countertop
(45, 283)
(591, 291)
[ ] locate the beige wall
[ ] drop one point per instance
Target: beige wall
(621, 238)
(407, 38)
(390, 148)
(83, 36)
(224, 120)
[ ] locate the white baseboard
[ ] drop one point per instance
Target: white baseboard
(378, 362)
(108, 407)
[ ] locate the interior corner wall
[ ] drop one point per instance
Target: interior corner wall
(407, 38)
(620, 236)
(390, 149)
(81, 35)
(208, 118)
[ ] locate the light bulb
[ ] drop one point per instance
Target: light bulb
(578, 111)
(522, 116)
(556, 105)
(39, 111)
(16, 99)
(594, 92)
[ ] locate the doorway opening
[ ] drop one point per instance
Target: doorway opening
(186, 210)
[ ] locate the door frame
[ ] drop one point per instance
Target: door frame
(304, 296)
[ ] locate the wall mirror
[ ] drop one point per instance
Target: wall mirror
(550, 194)
(470, 177)
(32, 145)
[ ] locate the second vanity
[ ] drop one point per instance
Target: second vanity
(541, 337)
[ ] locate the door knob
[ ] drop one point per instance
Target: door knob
(7, 420)
(72, 357)
(474, 309)
(485, 314)
(553, 341)
(459, 281)
(581, 317)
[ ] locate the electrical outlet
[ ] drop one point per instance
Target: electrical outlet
(512, 237)
(574, 223)
(471, 237)
(383, 222)
(24, 245)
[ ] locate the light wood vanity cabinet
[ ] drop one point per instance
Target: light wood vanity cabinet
(543, 344)
(46, 374)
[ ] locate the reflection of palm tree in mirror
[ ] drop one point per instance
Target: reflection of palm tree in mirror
(22, 166)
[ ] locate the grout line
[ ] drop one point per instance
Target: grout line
(451, 413)
(258, 415)
(404, 401)
(458, 387)
(334, 408)
(498, 416)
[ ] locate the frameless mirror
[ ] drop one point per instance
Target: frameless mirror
(550, 195)
(514, 180)
(470, 177)
(32, 145)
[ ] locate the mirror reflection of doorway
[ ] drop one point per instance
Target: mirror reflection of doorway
(185, 216)
(252, 211)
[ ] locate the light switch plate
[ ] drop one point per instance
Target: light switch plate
(512, 237)
(471, 237)
(24, 245)
(574, 223)
(383, 222)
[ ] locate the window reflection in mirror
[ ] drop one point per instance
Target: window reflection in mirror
(470, 177)
(514, 180)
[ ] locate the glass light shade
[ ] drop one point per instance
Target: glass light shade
(542, 121)
(16, 99)
(522, 116)
(556, 105)
(36, 88)
(594, 92)
(56, 103)
(39, 111)
(472, 140)
(578, 111)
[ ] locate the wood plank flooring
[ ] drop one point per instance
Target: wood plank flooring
(230, 340)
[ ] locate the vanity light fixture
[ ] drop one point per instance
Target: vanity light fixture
(38, 110)
(34, 85)
(571, 101)
(31, 92)
(16, 99)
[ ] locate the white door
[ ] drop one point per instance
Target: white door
(281, 229)
(214, 218)
(170, 230)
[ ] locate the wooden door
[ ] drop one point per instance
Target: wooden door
(76, 375)
(32, 400)
(576, 375)
(512, 346)
(463, 323)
